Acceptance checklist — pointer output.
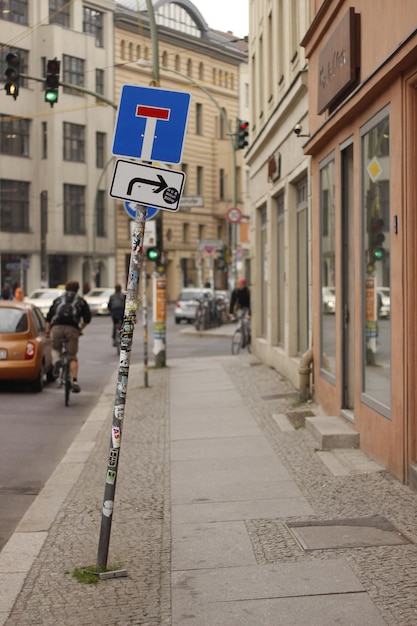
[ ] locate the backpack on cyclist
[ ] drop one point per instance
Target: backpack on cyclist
(68, 310)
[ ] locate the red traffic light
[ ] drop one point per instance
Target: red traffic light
(53, 66)
(243, 125)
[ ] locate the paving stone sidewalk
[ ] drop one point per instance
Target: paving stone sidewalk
(141, 530)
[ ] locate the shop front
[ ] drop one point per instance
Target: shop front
(362, 119)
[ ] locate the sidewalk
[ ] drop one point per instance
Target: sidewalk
(225, 514)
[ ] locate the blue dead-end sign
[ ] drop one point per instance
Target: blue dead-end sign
(151, 123)
(130, 208)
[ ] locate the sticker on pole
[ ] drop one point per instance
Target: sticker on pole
(147, 185)
(151, 123)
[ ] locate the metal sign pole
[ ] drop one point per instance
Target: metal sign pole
(128, 325)
(145, 323)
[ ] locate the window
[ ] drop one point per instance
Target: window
(74, 210)
(73, 73)
(328, 267)
(24, 61)
(44, 131)
(93, 23)
(14, 136)
(376, 287)
(100, 81)
(201, 232)
(185, 232)
(14, 11)
(199, 189)
(74, 142)
(100, 149)
(201, 71)
(184, 167)
(14, 206)
(101, 213)
(222, 183)
(198, 118)
(189, 67)
(59, 12)
(302, 267)
(177, 62)
(281, 268)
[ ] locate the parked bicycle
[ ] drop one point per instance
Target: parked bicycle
(242, 336)
(209, 313)
(64, 374)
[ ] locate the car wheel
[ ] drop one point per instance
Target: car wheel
(178, 320)
(38, 384)
(50, 375)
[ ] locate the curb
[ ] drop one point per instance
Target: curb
(20, 552)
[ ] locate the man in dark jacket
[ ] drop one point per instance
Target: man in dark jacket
(240, 300)
(68, 316)
(116, 307)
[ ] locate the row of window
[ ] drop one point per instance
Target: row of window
(15, 135)
(131, 53)
(59, 13)
(15, 208)
(73, 70)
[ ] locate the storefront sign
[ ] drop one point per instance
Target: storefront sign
(338, 61)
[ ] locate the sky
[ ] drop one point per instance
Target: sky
(225, 15)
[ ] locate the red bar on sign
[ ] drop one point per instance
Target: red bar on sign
(157, 112)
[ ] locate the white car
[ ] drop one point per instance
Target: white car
(98, 300)
(43, 298)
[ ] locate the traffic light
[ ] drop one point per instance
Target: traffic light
(12, 73)
(377, 239)
(52, 81)
(242, 134)
(153, 254)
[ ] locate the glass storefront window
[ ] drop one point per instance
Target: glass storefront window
(376, 309)
(328, 268)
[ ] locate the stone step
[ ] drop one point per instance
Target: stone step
(332, 432)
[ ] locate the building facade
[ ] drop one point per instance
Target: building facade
(280, 187)
(56, 219)
(208, 65)
(362, 79)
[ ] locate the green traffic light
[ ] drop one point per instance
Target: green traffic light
(51, 96)
(153, 254)
(379, 254)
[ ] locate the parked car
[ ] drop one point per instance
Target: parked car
(98, 300)
(329, 300)
(384, 302)
(187, 303)
(189, 298)
(43, 298)
(25, 351)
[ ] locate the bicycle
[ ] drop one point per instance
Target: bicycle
(242, 336)
(64, 375)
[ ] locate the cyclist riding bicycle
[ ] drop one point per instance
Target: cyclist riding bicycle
(240, 300)
(68, 316)
(116, 307)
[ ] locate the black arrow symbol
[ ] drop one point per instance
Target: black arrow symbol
(159, 186)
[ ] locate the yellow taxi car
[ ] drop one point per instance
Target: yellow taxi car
(25, 351)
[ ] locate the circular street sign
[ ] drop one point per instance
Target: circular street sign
(130, 208)
(234, 215)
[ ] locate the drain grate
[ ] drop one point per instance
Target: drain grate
(298, 418)
(360, 532)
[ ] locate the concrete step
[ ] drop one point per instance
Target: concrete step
(332, 432)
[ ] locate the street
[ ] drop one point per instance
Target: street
(40, 428)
